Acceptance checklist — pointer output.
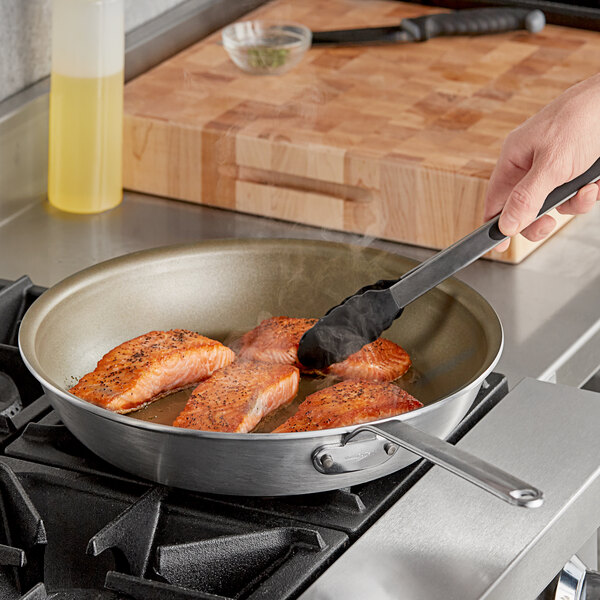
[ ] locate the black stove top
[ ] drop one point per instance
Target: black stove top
(77, 528)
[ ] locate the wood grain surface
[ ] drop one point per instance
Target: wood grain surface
(395, 141)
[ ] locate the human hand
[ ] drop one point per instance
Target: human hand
(549, 149)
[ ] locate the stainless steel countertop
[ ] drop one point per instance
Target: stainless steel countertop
(549, 304)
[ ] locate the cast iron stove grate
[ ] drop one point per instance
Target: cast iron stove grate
(86, 536)
(76, 528)
(21, 396)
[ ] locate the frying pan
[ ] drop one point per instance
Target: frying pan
(452, 334)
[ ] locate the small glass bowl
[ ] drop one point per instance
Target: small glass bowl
(264, 48)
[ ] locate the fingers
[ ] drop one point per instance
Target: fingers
(526, 198)
(583, 202)
(535, 232)
(540, 229)
(505, 176)
(499, 188)
(502, 247)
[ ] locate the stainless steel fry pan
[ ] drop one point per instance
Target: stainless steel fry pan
(452, 334)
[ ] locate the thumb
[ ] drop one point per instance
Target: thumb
(527, 197)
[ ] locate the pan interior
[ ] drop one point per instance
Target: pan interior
(222, 289)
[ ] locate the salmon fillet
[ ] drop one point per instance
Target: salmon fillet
(237, 397)
(147, 367)
(349, 403)
(276, 340)
(381, 360)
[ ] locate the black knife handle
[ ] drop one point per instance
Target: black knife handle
(476, 21)
(367, 35)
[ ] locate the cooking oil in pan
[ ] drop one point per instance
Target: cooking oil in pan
(165, 410)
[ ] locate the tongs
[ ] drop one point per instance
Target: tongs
(362, 317)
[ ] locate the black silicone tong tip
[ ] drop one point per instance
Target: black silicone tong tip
(343, 332)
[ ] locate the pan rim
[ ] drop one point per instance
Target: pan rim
(81, 279)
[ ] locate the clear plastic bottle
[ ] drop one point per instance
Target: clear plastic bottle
(86, 105)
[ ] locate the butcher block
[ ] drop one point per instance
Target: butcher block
(394, 141)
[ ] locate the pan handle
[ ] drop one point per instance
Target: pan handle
(457, 461)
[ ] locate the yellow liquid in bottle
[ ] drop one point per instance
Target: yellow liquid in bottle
(85, 171)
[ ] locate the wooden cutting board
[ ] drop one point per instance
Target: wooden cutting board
(395, 142)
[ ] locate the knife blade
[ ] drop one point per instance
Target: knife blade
(475, 21)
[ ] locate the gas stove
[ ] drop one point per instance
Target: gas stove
(76, 528)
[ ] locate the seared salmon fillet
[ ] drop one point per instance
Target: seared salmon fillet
(381, 360)
(349, 403)
(149, 366)
(276, 340)
(237, 397)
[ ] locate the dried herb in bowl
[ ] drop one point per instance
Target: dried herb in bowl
(263, 48)
(263, 57)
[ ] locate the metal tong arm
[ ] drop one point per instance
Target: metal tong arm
(488, 477)
(442, 265)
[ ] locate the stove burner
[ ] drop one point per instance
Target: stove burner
(10, 399)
